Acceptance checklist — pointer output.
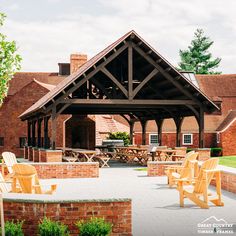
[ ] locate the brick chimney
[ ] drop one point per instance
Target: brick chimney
(76, 61)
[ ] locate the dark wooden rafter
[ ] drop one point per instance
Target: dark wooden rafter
(115, 81)
(130, 72)
(145, 81)
(166, 74)
(87, 77)
(132, 102)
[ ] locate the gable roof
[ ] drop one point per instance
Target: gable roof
(91, 64)
(21, 79)
(218, 85)
(229, 119)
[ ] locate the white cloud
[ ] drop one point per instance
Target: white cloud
(167, 25)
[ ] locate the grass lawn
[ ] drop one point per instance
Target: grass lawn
(228, 161)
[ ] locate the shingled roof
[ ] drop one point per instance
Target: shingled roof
(21, 79)
(229, 119)
(218, 85)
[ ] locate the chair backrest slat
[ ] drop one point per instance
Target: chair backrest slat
(9, 159)
(3, 185)
(187, 164)
(27, 177)
(204, 178)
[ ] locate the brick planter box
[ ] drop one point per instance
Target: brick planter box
(228, 178)
(47, 155)
(204, 153)
(66, 170)
(116, 211)
(35, 154)
(157, 168)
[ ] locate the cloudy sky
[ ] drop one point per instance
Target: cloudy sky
(48, 31)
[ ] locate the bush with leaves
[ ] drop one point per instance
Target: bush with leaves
(120, 136)
(94, 227)
(48, 227)
(13, 229)
(9, 61)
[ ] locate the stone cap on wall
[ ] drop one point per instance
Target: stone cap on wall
(43, 198)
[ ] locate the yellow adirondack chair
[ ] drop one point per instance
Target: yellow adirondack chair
(9, 159)
(4, 187)
(198, 190)
(187, 170)
(27, 177)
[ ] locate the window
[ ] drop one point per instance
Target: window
(187, 139)
(153, 139)
(22, 141)
(1, 141)
(217, 137)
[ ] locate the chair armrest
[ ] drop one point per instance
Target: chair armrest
(212, 171)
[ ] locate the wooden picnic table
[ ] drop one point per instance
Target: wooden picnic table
(165, 154)
(80, 154)
(130, 153)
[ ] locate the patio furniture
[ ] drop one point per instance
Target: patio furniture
(186, 170)
(26, 176)
(9, 159)
(5, 187)
(179, 154)
(197, 191)
(165, 154)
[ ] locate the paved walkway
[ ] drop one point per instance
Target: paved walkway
(155, 207)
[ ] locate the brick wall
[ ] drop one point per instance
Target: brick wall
(169, 139)
(157, 168)
(118, 212)
(67, 170)
(228, 181)
(228, 142)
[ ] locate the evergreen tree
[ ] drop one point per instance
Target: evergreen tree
(197, 58)
(9, 61)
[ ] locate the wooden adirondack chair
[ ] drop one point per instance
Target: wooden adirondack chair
(4, 187)
(26, 176)
(186, 170)
(9, 159)
(198, 190)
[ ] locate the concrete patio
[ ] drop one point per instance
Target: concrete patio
(155, 207)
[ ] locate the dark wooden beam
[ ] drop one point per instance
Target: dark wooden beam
(159, 123)
(33, 142)
(87, 77)
(144, 125)
(131, 131)
(39, 125)
(201, 128)
(46, 139)
(54, 127)
(178, 123)
(148, 78)
(29, 138)
(115, 81)
(127, 102)
(166, 74)
(130, 72)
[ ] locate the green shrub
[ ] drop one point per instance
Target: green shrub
(13, 229)
(216, 151)
(94, 227)
(48, 227)
(120, 135)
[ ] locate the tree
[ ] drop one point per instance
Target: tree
(197, 58)
(9, 61)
